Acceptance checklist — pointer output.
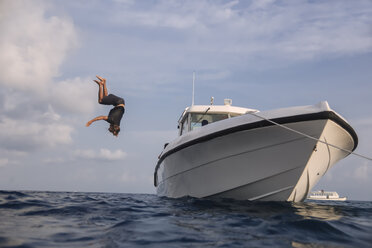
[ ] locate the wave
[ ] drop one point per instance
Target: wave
(34, 219)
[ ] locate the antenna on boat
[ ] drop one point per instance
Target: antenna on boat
(193, 88)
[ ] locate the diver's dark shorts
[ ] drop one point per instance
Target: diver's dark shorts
(111, 99)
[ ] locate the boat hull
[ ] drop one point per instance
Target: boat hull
(267, 163)
(323, 158)
(330, 199)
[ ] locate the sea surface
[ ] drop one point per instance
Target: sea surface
(65, 219)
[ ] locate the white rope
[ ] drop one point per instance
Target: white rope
(310, 137)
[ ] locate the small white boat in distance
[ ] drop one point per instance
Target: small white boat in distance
(241, 153)
(325, 196)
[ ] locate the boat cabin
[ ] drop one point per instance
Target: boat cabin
(197, 116)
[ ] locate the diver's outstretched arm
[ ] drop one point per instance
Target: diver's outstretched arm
(98, 118)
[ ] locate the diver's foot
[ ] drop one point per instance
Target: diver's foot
(101, 79)
(98, 82)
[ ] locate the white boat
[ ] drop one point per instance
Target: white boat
(325, 196)
(241, 153)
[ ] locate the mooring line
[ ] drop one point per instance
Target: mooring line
(308, 136)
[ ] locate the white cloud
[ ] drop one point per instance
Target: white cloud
(74, 95)
(51, 115)
(54, 160)
(12, 153)
(32, 45)
(363, 172)
(4, 162)
(27, 135)
(263, 29)
(112, 155)
(128, 178)
(102, 154)
(260, 4)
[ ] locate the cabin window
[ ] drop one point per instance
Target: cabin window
(198, 120)
(185, 125)
(231, 115)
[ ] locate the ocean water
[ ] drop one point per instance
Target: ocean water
(64, 219)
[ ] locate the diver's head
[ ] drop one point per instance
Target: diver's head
(114, 129)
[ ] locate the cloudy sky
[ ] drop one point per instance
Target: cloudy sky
(262, 54)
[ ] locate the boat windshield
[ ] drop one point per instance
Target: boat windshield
(201, 119)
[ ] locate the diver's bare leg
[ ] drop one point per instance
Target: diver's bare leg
(102, 88)
(100, 93)
(103, 82)
(105, 93)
